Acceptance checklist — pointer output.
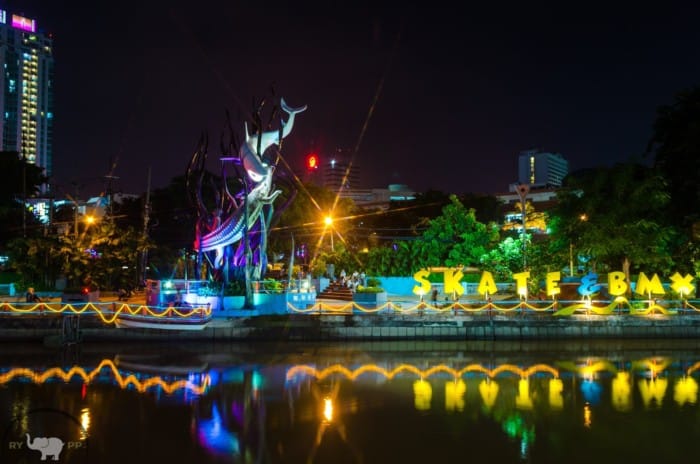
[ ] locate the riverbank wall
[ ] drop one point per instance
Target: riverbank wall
(377, 327)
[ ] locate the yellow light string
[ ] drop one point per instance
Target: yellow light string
(419, 307)
(124, 382)
(108, 312)
(653, 306)
(693, 368)
(690, 305)
(311, 371)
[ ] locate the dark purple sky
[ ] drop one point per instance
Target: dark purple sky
(463, 91)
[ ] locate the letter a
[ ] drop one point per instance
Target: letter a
(487, 284)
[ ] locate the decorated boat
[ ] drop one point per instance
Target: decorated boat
(169, 306)
(179, 319)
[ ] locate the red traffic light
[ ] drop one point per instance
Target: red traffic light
(312, 162)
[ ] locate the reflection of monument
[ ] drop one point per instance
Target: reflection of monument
(232, 236)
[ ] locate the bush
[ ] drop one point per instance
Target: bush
(273, 286)
(368, 289)
(210, 289)
(235, 288)
(373, 286)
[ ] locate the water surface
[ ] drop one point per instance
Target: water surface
(631, 401)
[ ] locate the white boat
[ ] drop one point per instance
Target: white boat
(174, 322)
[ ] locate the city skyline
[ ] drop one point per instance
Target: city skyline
(453, 99)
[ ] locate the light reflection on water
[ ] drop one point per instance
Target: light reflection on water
(500, 402)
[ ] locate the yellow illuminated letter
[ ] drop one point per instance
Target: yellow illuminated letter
(555, 388)
(488, 391)
(423, 286)
(521, 282)
(487, 284)
(616, 283)
(452, 281)
(682, 285)
(621, 392)
(454, 395)
(553, 279)
(645, 285)
(423, 393)
(523, 400)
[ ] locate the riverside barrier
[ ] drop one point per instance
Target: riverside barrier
(501, 320)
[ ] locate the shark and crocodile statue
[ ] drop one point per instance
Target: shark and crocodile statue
(228, 231)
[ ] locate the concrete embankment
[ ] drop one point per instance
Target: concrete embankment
(377, 327)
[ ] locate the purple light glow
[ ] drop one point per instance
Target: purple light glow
(25, 24)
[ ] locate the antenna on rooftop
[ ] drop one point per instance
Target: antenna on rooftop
(109, 178)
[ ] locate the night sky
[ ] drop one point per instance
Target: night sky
(460, 93)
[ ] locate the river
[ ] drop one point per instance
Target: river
(374, 402)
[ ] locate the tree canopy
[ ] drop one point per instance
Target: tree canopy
(675, 145)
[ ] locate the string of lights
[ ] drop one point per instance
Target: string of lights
(554, 308)
(124, 381)
(107, 312)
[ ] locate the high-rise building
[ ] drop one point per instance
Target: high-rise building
(26, 95)
(339, 173)
(541, 169)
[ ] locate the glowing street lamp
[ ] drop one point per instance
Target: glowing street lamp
(328, 221)
(583, 218)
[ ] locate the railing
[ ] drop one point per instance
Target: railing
(617, 306)
(108, 312)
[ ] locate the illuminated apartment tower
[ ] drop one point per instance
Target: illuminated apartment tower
(541, 169)
(339, 174)
(26, 100)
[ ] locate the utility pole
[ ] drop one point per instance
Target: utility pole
(146, 216)
(523, 190)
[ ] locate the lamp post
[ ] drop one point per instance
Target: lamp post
(571, 259)
(328, 221)
(582, 218)
(523, 190)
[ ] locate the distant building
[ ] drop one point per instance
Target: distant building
(338, 173)
(541, 169)
(376, 198)
(94, 206)
(27, 83)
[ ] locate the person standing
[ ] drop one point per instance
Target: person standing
(32, 297)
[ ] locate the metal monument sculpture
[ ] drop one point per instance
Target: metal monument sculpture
(231, 236)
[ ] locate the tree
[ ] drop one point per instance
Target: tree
(488, 208)
(103, 254)
(614, 216)
(455, 238)
(675, 144)
(18, 180)
(37, 260)
(533, 219)
(304, 218)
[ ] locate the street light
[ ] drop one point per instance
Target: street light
(328, 221)
(582, 218)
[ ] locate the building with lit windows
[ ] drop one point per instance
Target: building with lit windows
(339, 174)
(26, 99)
(541, 169)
